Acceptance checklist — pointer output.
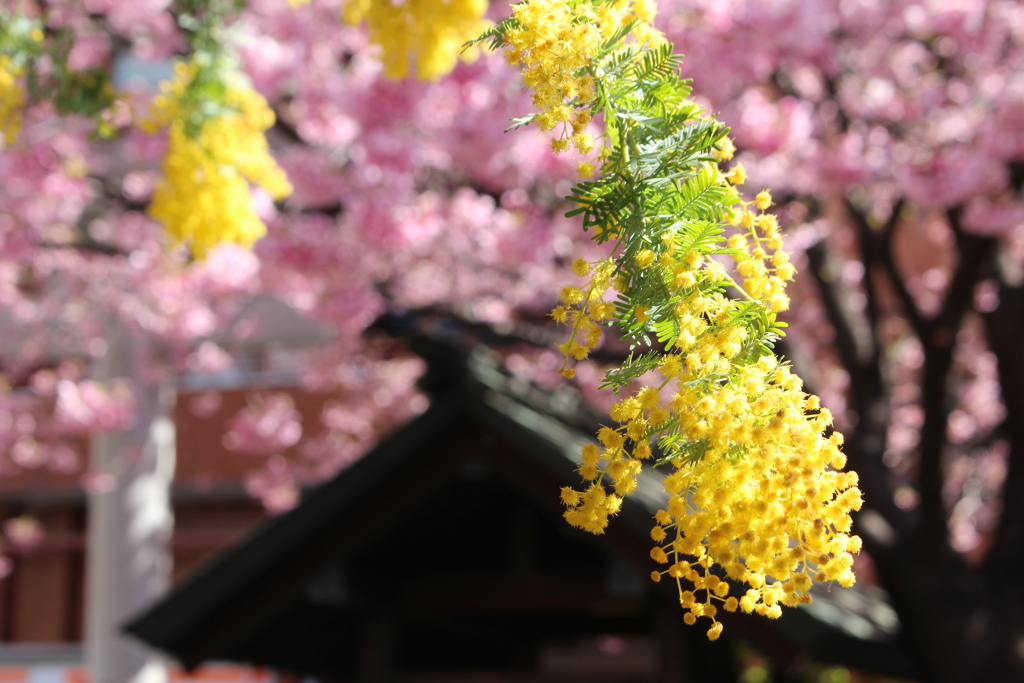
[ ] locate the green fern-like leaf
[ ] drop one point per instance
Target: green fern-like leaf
(631, 368)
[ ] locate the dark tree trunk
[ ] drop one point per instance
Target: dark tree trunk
(959, 623)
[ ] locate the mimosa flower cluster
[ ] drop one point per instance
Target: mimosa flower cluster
(555, 43)
(755, 488)
(12, 100)
(755, 495)
(432, 32)
(204, 197)
(758, 252)
(20, 41)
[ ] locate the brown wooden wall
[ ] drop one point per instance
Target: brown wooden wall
(42, 599)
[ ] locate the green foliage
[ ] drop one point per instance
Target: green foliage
(206, 24)
(494, 36)
(660, 190)
(89, 93)
(520, 122)
(634, 366)
(205, 97)
(27, 42)
(764, 330)
(20, 38)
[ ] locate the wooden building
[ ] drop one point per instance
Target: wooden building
(441, 556)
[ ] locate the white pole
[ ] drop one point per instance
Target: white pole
(130, 522)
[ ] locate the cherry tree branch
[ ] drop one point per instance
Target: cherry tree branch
(869, 398)
(1005, 329)
(938, 339)
(877, 246)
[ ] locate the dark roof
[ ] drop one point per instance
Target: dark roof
(224, 603)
